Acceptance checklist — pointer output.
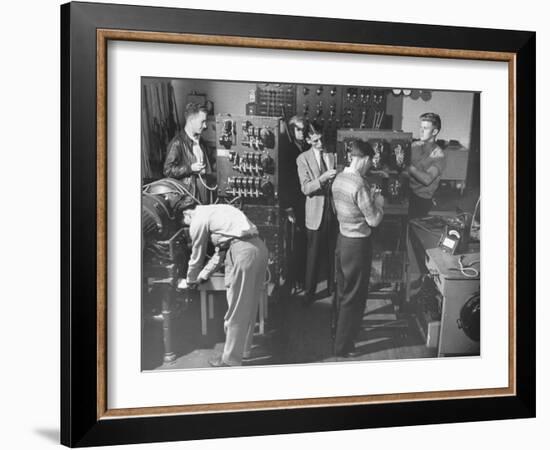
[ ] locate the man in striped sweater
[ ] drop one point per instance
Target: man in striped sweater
(358, 209)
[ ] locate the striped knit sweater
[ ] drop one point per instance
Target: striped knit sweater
(353, 203)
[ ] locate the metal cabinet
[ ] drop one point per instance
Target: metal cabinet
(456, 290)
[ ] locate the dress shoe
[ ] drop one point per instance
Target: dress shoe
(218, 362)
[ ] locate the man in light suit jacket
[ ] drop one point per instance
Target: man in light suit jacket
(316, 170)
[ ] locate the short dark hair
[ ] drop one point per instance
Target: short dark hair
(433, 118)
(192, 109)
(314, 128)
(361, 148)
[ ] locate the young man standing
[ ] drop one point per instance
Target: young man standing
(359, 209)
(316, 170)
(427, 165)
(186, 158)
(298, 130)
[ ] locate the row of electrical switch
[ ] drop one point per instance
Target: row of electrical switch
(319, 90)
(319, 111)
(364, 96)
(249, 187)
(252, 163)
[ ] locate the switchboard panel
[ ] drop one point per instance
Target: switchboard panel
(248, 157)
(275, 100)
(255, 166)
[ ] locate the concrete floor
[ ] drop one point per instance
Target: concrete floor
(294, 335)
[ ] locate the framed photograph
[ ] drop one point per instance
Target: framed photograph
(273, 224)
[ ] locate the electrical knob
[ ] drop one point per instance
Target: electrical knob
(267, 137)
(268, 165)
(267, 189)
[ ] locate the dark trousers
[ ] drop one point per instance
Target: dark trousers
(320, 250)
(297, 246)
(418, 206)
(353, 266)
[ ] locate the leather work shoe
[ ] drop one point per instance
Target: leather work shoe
(218, 362)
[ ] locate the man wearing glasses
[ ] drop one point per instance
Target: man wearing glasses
(297, 126)
(316, 170)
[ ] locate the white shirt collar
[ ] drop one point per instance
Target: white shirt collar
(195, 140)
(351, 170)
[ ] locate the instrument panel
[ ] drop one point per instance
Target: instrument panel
(247, 157)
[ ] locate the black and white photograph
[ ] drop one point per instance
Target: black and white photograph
(257, 225)
(286, 224)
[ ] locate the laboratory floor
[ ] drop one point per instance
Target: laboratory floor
(294, 334)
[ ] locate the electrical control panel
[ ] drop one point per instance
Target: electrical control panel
(253, 165)
(364, 108)
(247, 155)
(275, 100)
(392, 153)
(336, 107)
(321, 104)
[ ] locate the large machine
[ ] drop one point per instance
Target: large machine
(165, 249)
(254, 164)
(332, 107)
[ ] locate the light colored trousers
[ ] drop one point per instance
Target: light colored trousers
(245, 273)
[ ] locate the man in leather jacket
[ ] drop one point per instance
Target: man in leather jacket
(186, 160)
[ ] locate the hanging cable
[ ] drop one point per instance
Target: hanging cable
(177, 189)
(468, 271)
(206, 185)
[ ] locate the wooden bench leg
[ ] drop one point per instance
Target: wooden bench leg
(210, 305)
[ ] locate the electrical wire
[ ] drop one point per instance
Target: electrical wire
(468, 271)
(177, 189)
(206, 185)
(474, 216)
